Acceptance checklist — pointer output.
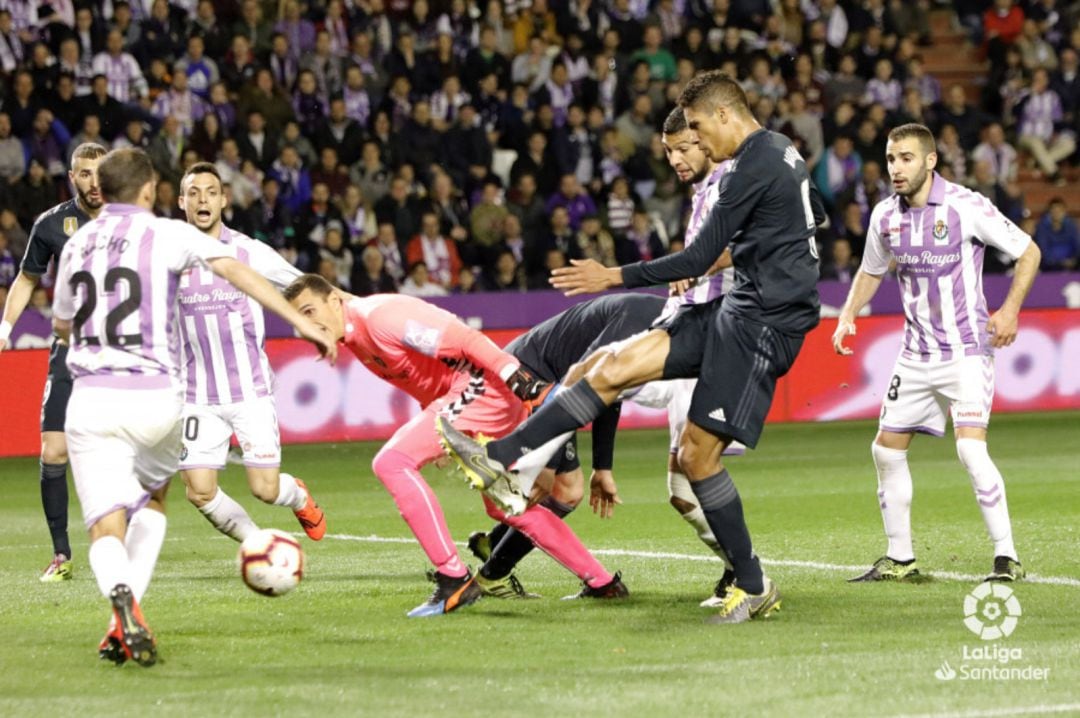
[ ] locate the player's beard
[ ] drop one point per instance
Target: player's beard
(915, 184)
(85, 201)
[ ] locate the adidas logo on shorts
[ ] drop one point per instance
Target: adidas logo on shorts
(718, 415)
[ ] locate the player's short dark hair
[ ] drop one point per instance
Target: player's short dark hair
(675, 122)
(708, 90)
(920, 132)
(318, 286)
(122, 173)
(202, 168)
(88, 151)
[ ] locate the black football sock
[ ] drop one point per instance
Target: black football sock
(719, 500)
(515, 545)
(54, 499)
(496, 535)
(570, 410)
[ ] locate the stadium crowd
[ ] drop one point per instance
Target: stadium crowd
(436, 146)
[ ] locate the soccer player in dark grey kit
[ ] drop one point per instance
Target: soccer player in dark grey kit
(767, 211)
(47, 238)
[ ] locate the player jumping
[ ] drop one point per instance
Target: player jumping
(229, 382)
(457, 373)
(936, 232)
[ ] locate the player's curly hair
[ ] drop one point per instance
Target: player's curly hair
(318, 286)
(709, 90)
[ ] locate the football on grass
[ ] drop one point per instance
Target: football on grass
(271, 562)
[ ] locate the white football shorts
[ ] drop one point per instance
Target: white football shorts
(123, 444)
(921, 394)
(208, 428)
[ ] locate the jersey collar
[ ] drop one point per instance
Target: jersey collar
(123, 209)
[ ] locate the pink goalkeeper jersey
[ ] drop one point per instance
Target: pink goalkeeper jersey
(117, 282)
(223, 329)
(939, 259)
(416, 346)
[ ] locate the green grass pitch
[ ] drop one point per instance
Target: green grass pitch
(341, 644)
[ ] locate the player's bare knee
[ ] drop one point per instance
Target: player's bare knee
(53, 449)
(265, 484)
(199, 488)
(569, 488)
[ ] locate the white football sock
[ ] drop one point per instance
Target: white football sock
(145, 534)
(894, 496)
(990, 492)
(228, 517)
(289, 494)
(110, 564)
(679, 487)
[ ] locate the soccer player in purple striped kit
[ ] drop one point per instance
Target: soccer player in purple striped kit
(116, 305)
(229, 382)
(937, 232)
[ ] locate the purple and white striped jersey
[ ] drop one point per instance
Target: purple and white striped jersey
(117, 282)
(708, 288)
(939, 259)
(222, 328)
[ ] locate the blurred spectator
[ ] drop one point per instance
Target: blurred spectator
(852, 228)
(9, 265)
(201, 71)
(299, 30)
(643, 241)
(338, 252)
(253, 26)
(180, 102)
(327, 269)
(12, 152)
(513, 239)
(124, 76)
(619, 208)
(572, 197)
(165, 149)
(399, 209)
(271, 219)
(450, 206)
(419, 283)
(845, 83)
(951, 154)
(370, 174)
(369, 275)
(238, 68)
(488, 216)
(537, 161)
(867, 192)
(928, 87)
(596, 243)
(330, 172)
(1001, 26)
(160, 35)
(1058, 238)
(884, 88)
(528, 207)
(21, 104)
(958, 112)
(506, 275)
(207, 138)
(315, 217)
(292, 177)
(467, 153)
(391, 250)
(165, 204)
(1035, 51)
(268, 100)
(559, 237)
(309, 103)
(419, 144)
(39, 298)
(324, 65)
(552, 259)
(1040, 131)
(1006, 197)
(842, 264)
(282, 62)
(16, 236)
(134, 135)
(438, 253)
(997, 153)
(837, 171)
(340, 132)
(660, 61)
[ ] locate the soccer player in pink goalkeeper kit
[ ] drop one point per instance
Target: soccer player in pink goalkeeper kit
(458, 373)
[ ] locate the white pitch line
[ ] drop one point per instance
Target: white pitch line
(992, 712)
(786, 563)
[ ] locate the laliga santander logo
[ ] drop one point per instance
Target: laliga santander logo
(991, 611)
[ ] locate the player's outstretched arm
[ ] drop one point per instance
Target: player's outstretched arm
(862, 291)
(1005, 321)
(18, 297)
(251, 283)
